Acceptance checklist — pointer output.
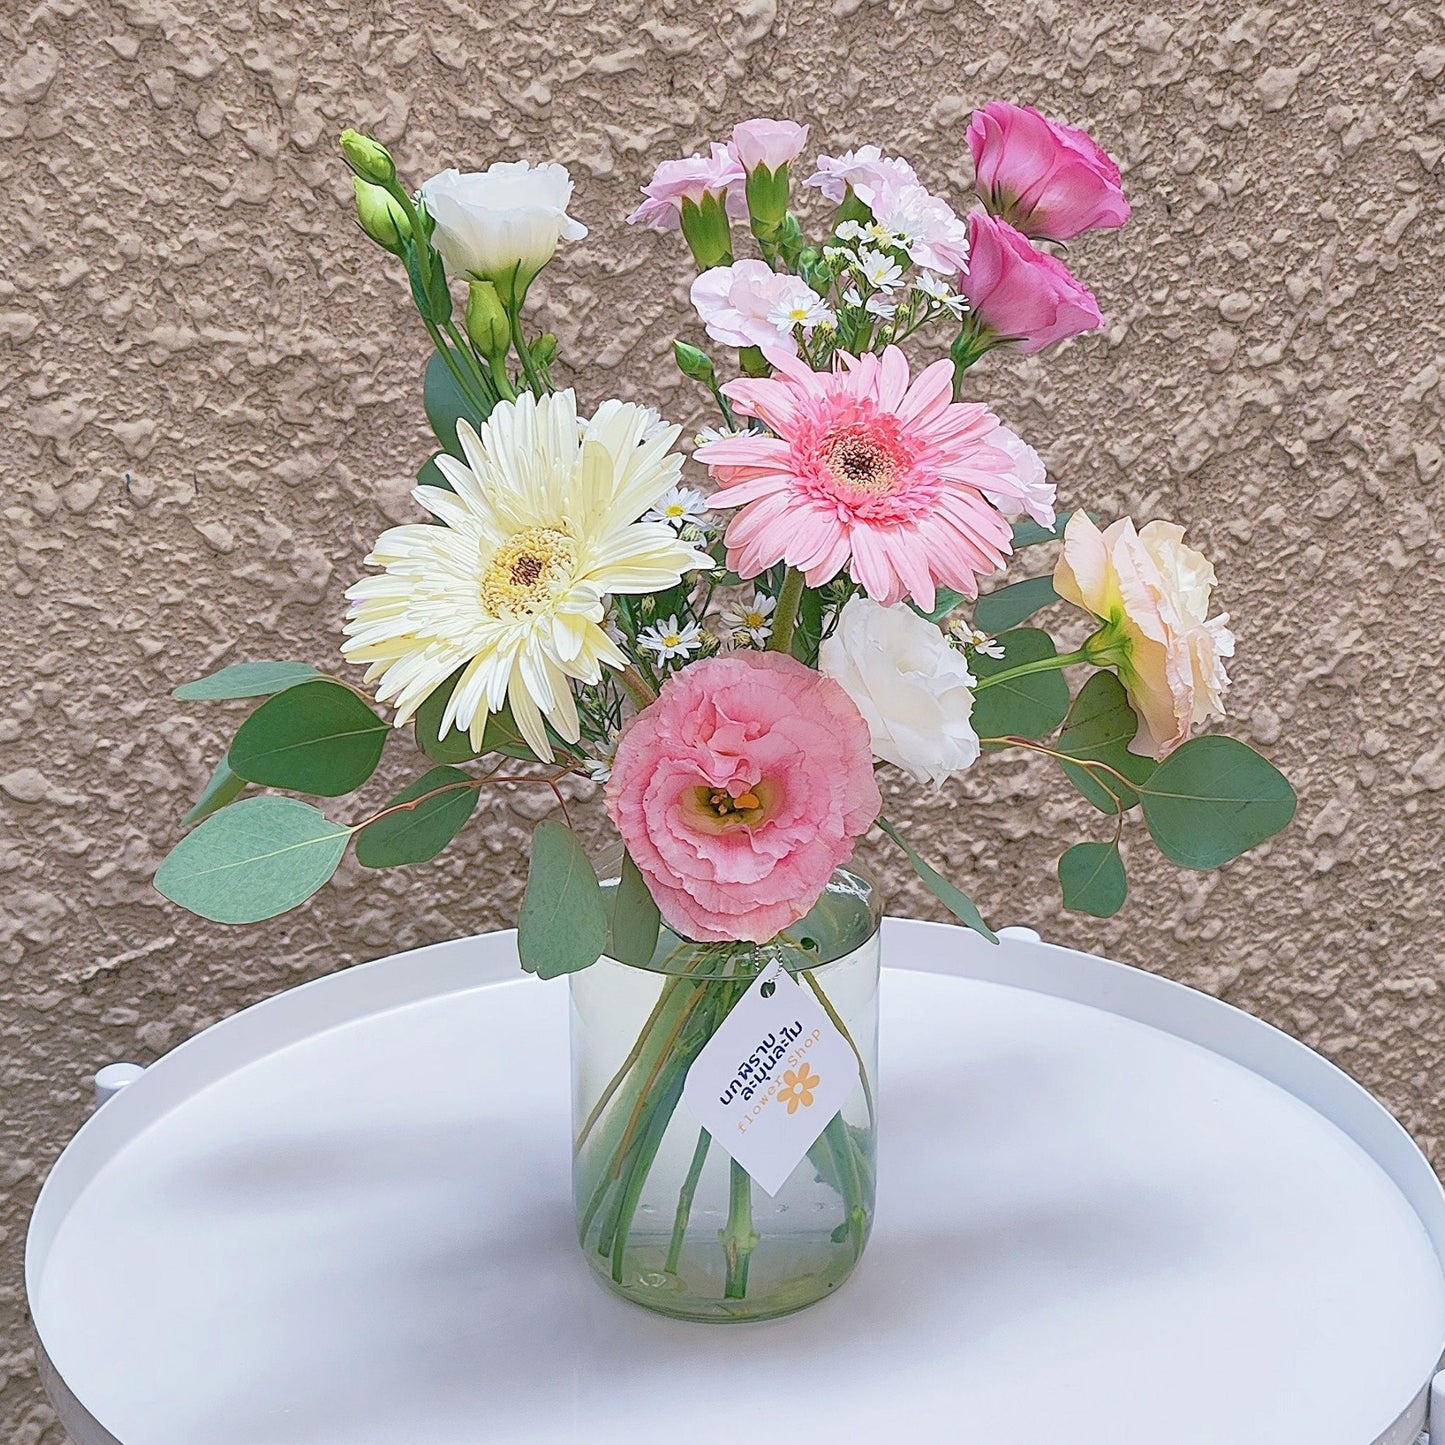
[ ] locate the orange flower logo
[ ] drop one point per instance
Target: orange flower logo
(798, 1086)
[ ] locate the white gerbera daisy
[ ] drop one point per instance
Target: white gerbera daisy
(542, 527)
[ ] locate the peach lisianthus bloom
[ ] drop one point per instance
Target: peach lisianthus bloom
(893, 480)
(1152, 593)
(740, 790)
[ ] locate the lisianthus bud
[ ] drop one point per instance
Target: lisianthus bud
(368, 158)
(380, 216)
(694, 363)
(487, 324)
(544, 349)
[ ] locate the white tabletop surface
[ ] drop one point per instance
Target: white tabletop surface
(344, 1218)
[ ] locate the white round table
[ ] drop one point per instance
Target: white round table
(1111, 1211)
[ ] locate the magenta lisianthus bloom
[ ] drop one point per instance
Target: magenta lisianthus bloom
(867, 472)
(717, 173)
(771, 144)
(867, 171)
(1045, 178)
(750, 304)
(1020, 293)
(740, 790)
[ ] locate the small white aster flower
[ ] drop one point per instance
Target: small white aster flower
(972, 639)
(851, 231)
(807, 311)
(599, 766)
(679, 506)
(751, 620)
(852, 297)
(881, 307)
(653, 424)
(718, 434)
(937, 290)
(671, 639)
(879, 270)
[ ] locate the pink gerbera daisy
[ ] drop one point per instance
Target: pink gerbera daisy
(867, 472)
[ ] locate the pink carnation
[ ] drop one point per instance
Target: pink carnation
(740, 790)
(868, 472)
(676, 181)
(933, 235)
(1021, 293)
(869, 173)
(1047, 179)
(743, 304)
(771, 144)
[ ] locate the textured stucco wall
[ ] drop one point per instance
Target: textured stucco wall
(210, 405)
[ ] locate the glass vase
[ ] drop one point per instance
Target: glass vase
(664, 1216)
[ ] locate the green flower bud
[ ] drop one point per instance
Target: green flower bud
(544, 349)
(368, 158)
(487, 324)
(694, 363)
(380, 216)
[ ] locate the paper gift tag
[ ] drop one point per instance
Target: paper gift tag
(771, 1078)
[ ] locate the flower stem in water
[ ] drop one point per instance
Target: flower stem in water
(738, 1236)
(684, 1200)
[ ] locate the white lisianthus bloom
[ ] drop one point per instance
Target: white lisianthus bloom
(502, 224)
(541, 528)
(914, 690)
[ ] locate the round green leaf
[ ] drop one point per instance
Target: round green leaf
(1006, 607)
(253, 860)
(417, 834)
(1093, 880)
(246, 679)
(318, 737)
(1028, 706)
(1100, 726)
(1030, 534)
(950, 895)
(446, 404)
(563, 924)
(633, 920)
(225, 787)
(1214, 799)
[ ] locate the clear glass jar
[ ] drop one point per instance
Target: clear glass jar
(663, 1215)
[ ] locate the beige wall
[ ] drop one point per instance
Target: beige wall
(210, 402)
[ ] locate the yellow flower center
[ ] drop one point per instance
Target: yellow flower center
(528, 571)
(862, 462)
(716, 810)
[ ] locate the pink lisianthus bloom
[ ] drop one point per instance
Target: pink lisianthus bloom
(748, 304)
(1152, 593)
(673, 182)
(1020, 293)
(1045, 178)
(868, 472)
(771, 144)
(740, 790)
(867, 171)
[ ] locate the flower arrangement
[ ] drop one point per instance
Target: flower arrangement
(734, 660)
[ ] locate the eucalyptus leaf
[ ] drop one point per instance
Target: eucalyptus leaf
(1008, 606)
(419, 833)
(224, 787)
(446, 404)
(1100, 726)
(633, 920)
(246, 679)
(1028, 706)
(1093, 879)
(945, 599)
(563, 924)
(431, 475)
(253, 860)
(952, 897)
(317, 737)
(1029, 534)
(1213, 799)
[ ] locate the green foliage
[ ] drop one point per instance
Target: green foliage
(1028, 706)
(225, 787)
(1008, 606)
(317, 737)
(633, 920)
(431, 475)
(447, 404)
(952, 897)
(1100, 726)
(945, 599)
(500, 735)
(246, 679)
(1093, 880)
(253, 860)
(1030, 534)
(1213, 799)
(563, 925)
(419, 833)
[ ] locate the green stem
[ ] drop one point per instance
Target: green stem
(474, 367)
(855, 1211)
(836, 1019)
(738, 1236)
(1042, 664)
(685, 1197)
(663, 1105)
(785, 615)
(643, 693)
(535, 383)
